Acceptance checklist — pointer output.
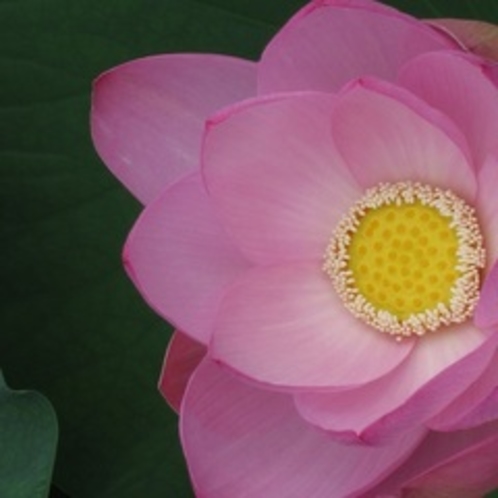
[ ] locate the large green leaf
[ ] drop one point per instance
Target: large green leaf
(72, 324)
(28, 439)
(466, 9)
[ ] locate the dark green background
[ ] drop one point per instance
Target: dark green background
(72, 325)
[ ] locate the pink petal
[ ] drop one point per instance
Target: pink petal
(476, 405)
(148, 115)
(487, 207)
(401, 139)
(286, 326)
(486, 313)
(182, 358)
(460, 464)
(241, 441)
(180, 258)
(331, 42)
(272, 172)
(438, 369)
(458, 86)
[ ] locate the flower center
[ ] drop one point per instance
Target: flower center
(406, 258)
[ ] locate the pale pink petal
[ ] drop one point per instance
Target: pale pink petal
(182, 358)
(148, 115)
(479, 37)
(459, 464)
(457, 85)
(286, 326)
(386, 134)
(180, 258)
(475, 406)
(486, 314)
(487, 207)
(440, 367)
(272, 172)
(331, 42)
(241, 441)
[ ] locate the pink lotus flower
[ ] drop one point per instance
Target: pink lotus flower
(323, 226)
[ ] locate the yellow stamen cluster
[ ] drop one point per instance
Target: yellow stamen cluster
(406, 258)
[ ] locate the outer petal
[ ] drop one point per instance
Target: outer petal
(331, 42)
(460, 464)
(274, 175)
(180, 258)
(182, 358)
(387, 135)
(286, 326)
(241, 441)
(439, 368)
(458, 86)
(148, 115)
(476, 405)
